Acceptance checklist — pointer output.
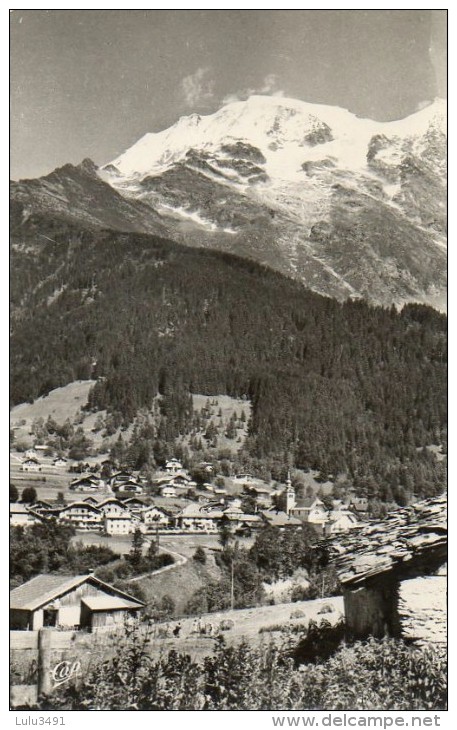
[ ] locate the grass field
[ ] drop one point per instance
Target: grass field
(246, 625)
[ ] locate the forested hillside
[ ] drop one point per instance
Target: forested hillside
(344, 388)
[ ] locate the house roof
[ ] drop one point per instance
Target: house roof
(154, 507)
(42, 589)
(403, 537)
(86, 505)
(244, 517)
(280, 519)
(108, 500)
(129, 482)
(46, 587)
(260, 490)
(109, 603)
(81, 480)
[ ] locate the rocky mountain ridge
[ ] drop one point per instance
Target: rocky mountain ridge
(351, 207)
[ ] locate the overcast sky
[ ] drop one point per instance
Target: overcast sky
(90, 83)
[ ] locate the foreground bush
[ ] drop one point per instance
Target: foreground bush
(372, 675)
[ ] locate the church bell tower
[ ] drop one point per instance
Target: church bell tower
(290, 494)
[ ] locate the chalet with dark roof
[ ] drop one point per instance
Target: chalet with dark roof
(393, 574)
(87, 483)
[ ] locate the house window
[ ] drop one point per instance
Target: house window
(50, 617)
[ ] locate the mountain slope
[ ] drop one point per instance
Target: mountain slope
(340, 387)
(77, 193)
(351, 207)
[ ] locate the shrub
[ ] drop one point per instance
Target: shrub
(373, 675)
(320, 642)
(200, 555)
(29, 495)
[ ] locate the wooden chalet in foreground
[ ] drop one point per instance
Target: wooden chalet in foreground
(393, 574)
(70, 602)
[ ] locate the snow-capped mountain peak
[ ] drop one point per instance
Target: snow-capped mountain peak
(288, 132)
(350, 206)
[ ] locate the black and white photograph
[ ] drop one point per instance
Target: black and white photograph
(228, 364)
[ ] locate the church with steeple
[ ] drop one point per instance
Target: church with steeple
(290, 495)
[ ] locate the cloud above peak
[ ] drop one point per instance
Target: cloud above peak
(198, 88)
(269, 85)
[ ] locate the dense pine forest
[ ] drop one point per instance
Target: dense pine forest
(348, 389)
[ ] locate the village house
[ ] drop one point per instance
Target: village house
(194, 519)
(340, 520)
(120, 476)
(393, 574)
(154, 516)
(242, 521)
(277, 518)
(82, 516)
(112, 507)
(244, 478)
(86, 483)
(31, 453)
(358, 505)
(120, 524)
(24, 515)
(167, 491)
(173, 466)
(134, 504)
(31, 464)
(261, 495)
(70, 602)
(60, 461)
(129, 487)
(180, 481)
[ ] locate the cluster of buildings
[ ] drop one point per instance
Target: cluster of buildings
(111, 515)
(115, 506)
(114, 516)
(312, 510)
